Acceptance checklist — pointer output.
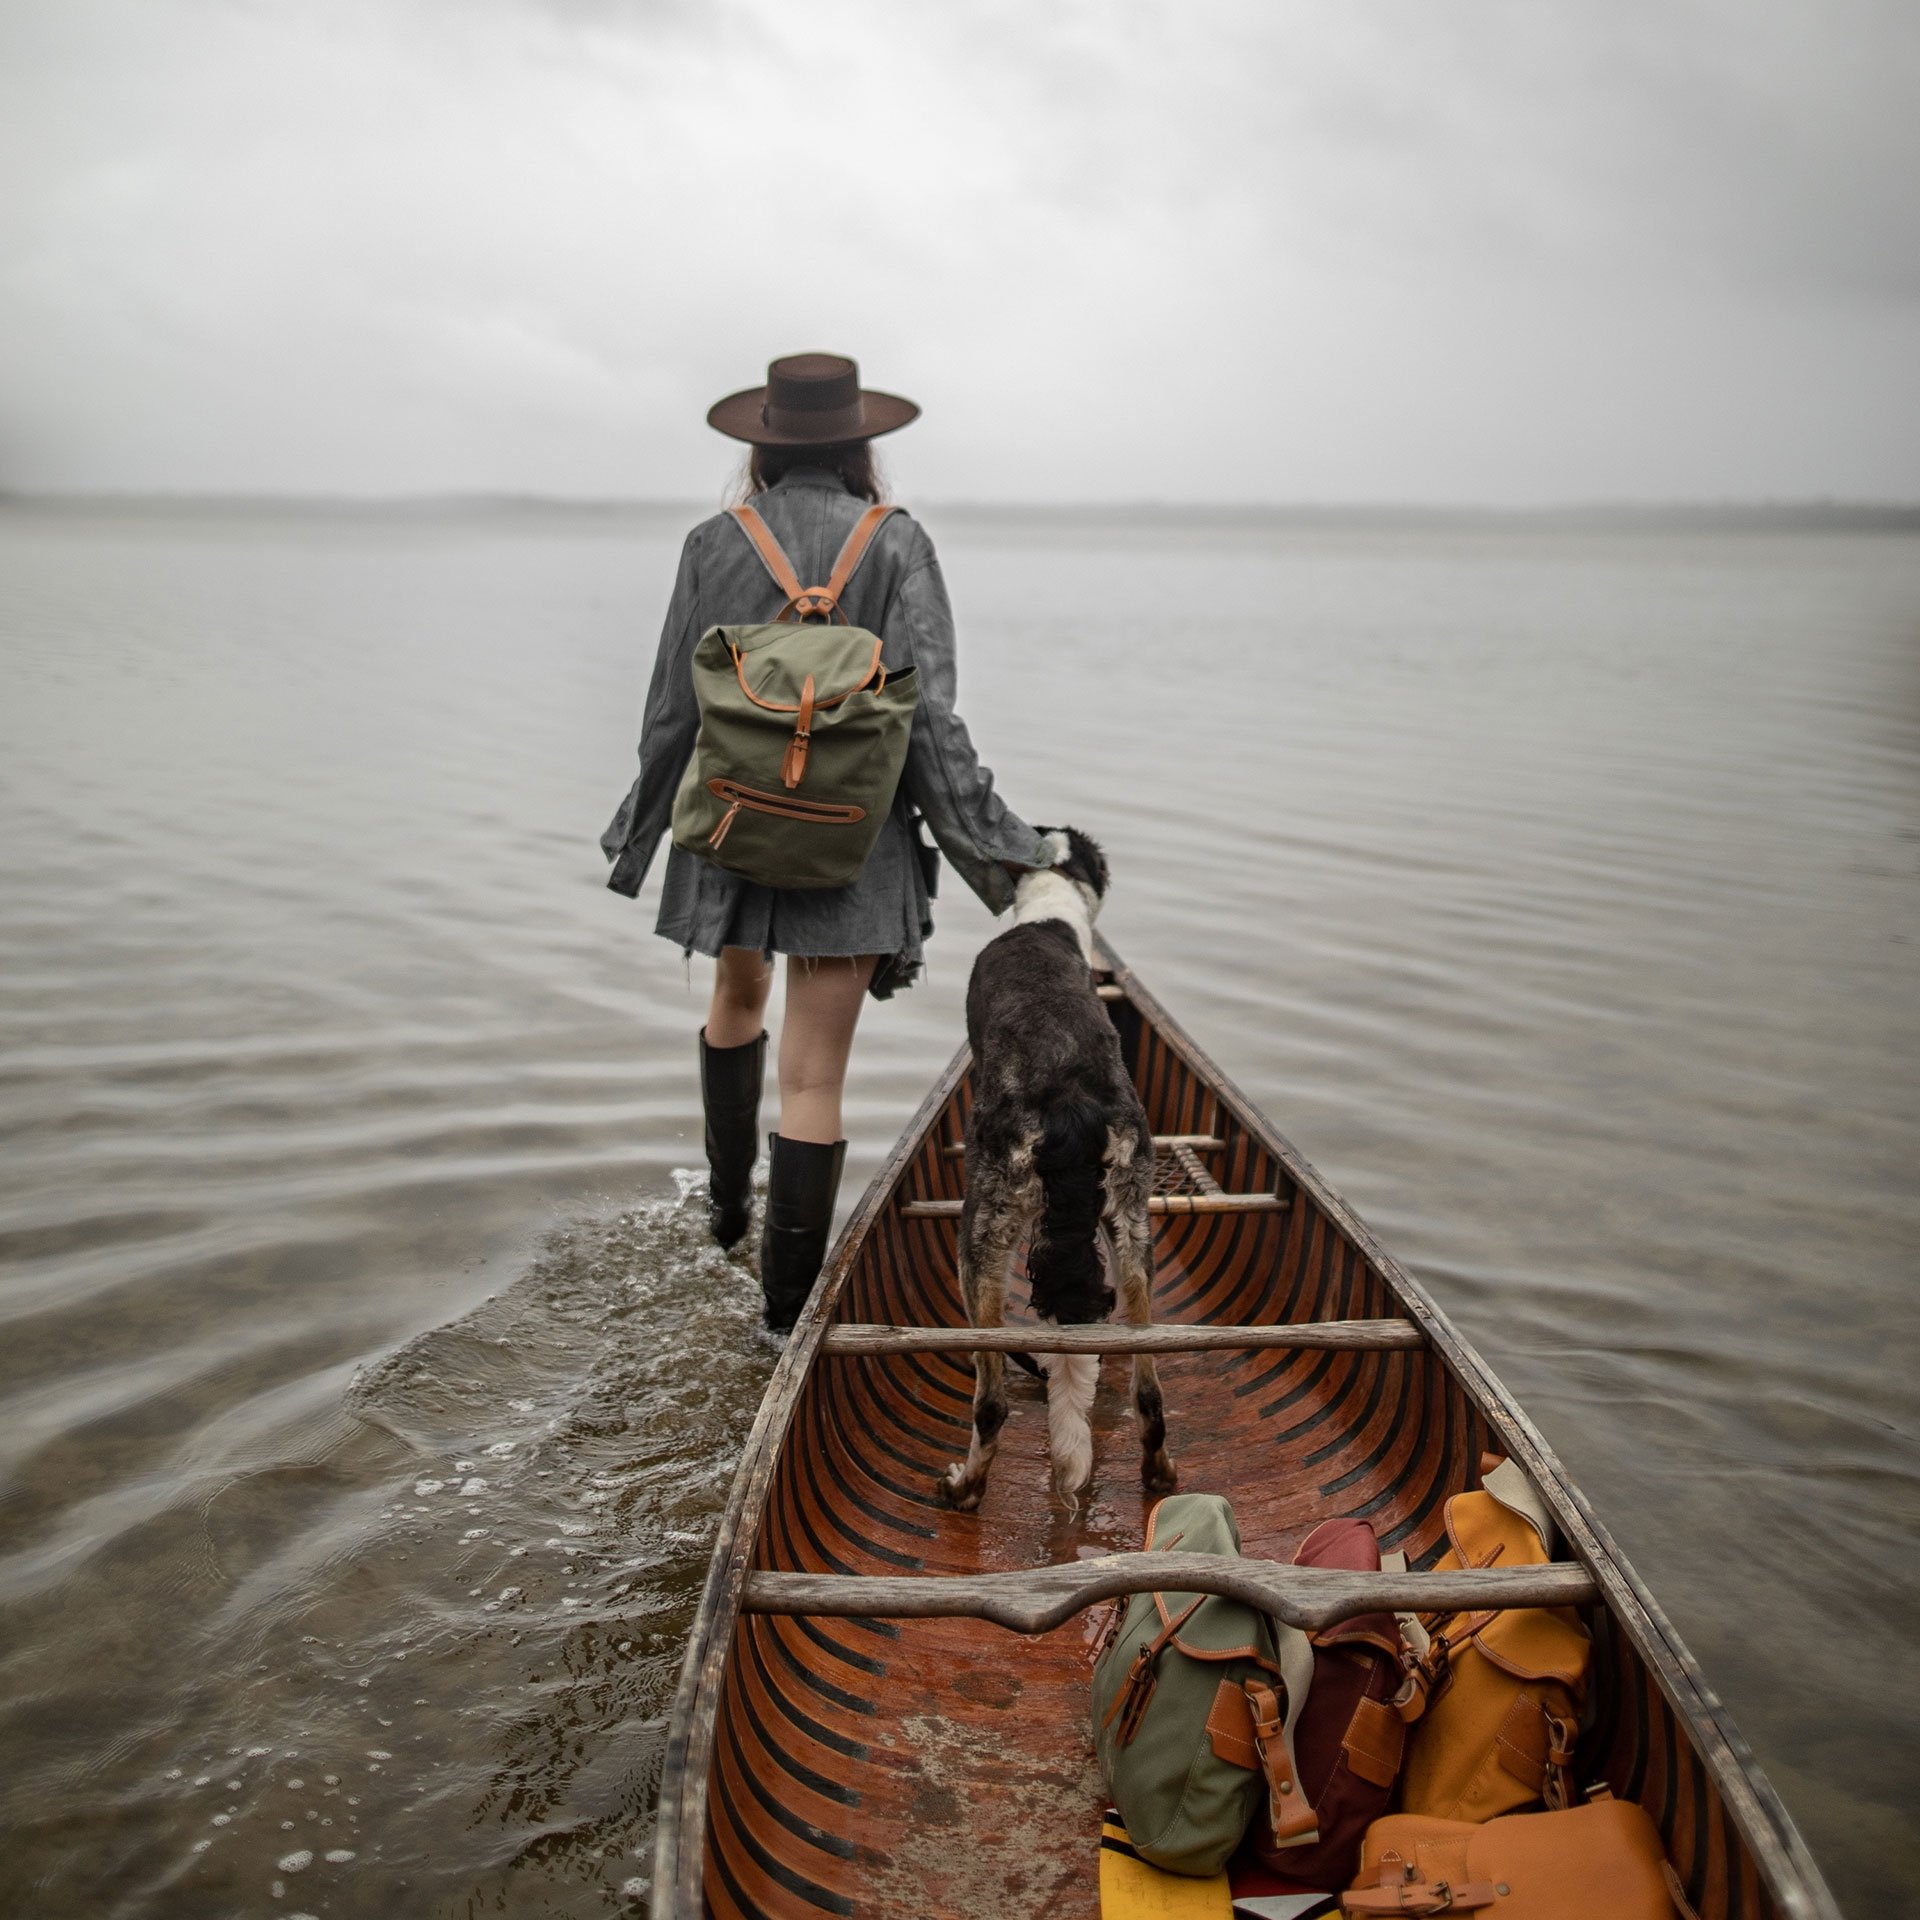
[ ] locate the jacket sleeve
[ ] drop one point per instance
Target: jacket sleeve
(974, 827)
(667, 730)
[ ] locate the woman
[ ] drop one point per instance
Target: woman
(811, 477)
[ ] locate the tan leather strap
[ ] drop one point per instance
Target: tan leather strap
(1131, 1702)
(1425, 1677)
(771, 552)
(855, 550)
(1419, 1896)
(795, 762)
(812, 603)
(1558, 1790)
(1677, 1893)
(1404, 1888)
(1290, 1815)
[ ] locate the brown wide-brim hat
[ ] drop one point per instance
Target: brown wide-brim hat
(810, 400)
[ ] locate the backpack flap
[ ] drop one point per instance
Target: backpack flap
(1506, 1524)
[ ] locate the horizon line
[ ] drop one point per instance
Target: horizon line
(1828, 508)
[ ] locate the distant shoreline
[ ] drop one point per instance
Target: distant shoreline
(1757, 516)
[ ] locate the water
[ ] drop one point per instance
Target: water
(368, 1392)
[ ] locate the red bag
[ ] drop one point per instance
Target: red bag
(1348, 1740)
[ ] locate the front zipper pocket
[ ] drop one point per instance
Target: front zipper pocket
(783, 806)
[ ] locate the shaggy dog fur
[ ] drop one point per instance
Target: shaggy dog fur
(1058, 1152)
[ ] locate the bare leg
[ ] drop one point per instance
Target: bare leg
(988, 1235)
(1128, 1185)
(823, 1007)
(737, 1013)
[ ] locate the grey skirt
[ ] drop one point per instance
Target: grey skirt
(886, 911)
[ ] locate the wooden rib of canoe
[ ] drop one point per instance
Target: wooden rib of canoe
(857, 1731)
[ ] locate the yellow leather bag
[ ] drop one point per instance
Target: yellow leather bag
(1602, 1861)
(1493, 1698)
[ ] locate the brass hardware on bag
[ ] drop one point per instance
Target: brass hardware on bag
(1428, 1676)
(1108, 1630)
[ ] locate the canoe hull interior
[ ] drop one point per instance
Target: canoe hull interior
(894, 1767)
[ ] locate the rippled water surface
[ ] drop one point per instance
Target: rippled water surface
(368, 1393)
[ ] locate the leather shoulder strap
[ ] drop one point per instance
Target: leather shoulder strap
(771, 552)
(856, 548)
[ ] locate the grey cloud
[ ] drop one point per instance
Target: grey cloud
(1382, 251)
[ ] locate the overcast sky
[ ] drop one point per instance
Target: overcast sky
(1287, 250)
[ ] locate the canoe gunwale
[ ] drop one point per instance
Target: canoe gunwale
(1788, 1871)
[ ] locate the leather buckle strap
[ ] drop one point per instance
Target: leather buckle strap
(1419, 1896)
(1290, 1815)
(1426, 1677)
(1133, 1699)
(1557, 1789)
(794, 763)
(1403, 1888)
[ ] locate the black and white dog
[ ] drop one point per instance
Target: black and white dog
(1058, 1149)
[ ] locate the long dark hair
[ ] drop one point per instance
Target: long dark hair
(853, 461)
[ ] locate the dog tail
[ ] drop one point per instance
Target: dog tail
(1071, 1379)
(1064, 1263)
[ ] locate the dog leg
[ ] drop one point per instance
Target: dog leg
(963, 1485)
(1071, 1380)
(1129, 1183)
(990, 1229)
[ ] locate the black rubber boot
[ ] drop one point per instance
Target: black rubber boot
(802, 1184)
(730, 1090)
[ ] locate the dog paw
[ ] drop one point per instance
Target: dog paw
(956, 1492)
(1158, 1475)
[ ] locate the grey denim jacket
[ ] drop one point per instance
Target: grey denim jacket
(899, 594)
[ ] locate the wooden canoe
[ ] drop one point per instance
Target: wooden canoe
(922, 1760)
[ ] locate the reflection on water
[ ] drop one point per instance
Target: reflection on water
(369, 1393)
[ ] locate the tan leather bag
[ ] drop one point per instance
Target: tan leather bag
(1493, 1698)
(1602, 1861)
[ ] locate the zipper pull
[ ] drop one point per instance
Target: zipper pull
(720, 832)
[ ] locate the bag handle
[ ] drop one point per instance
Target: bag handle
(812, 602)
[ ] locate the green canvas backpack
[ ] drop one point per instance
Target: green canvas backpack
(803, 733)
(1194, 1699)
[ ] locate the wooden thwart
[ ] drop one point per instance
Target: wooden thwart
(1160, 1203)
(1042, 1598)
(1038, 1337)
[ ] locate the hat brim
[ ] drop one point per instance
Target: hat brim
(738, 417)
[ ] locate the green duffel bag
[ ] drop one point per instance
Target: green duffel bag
(803, 733)
(1194, 1696)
